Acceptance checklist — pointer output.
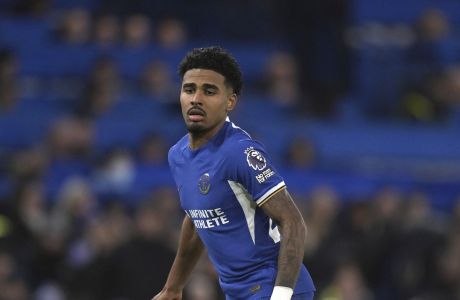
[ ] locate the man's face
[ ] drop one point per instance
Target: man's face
(205, 100)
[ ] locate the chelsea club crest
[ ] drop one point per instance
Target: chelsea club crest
(204, 184)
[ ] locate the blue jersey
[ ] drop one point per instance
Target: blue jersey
(221, 187)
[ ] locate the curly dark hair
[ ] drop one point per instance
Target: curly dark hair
(216, 59)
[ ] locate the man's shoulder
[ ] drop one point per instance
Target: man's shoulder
(180, 143)
(177, 148)
(236, 138)
(238, 141)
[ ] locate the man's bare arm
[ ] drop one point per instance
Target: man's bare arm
(189, 251)
(282, 209)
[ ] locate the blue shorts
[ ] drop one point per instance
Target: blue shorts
(304, 289)
(302, 296)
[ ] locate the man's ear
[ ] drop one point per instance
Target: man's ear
(231, 102)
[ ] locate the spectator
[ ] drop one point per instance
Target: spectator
(102, 89)
(201, 287)
(448, 262)
(348, 284)
(7, 266)
(49, 291)
(455, 218)
(75, 206)
(29, 219)
(321, 213)
(157, 82)
(453, 74)
(31, 216)
(315, 30)
(419, 214)
(28, 164)
(321, 210)
(9, 69)
(130, 272)
(433, 49)
(97, 101)
(88, 257)
(106, 31)
(105, 74)
(14, 288)
(153, 150)
(412, 265)
(383, 233)
(9, 66)
(74, 27)
(8, 97)
(167, 204)
(429, 95)
(301, 154)
(69, 138)
(281, 79)
(137, 31)
(429, 101)
(116, 175)
(33, 8)
(171, 34)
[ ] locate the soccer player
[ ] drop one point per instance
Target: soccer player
(236, 203)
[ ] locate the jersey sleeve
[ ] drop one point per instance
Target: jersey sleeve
(251, 167)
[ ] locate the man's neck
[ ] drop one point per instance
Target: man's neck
(198, 139)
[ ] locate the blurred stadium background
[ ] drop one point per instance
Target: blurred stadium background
(358, 103)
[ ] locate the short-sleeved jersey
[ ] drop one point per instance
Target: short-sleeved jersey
(221, 187)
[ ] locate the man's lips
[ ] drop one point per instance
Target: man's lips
(196, 114)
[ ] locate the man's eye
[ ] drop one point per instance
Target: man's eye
(209, 92)
(188, 90)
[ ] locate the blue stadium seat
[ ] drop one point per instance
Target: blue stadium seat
(27, 123)
(16, 133)
(132, 61)
(5, 187)
(252, 58)
(60, 171)
(384, 141)
(128, 121)
(24, 33)
(58, 60)
(379, 76)
(147, 179)
(396, 11)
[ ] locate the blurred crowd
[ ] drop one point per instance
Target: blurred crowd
(320, 61)
(391, 246)
(83, 221)
(419, 63)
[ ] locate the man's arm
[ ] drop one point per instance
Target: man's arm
(189, 251)
(282, 209)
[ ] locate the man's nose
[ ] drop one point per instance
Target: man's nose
(197, 98)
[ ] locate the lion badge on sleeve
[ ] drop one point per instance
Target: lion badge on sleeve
(255, 159)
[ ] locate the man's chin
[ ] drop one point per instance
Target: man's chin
(195, 127)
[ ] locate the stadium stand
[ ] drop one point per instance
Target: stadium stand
(64, 157)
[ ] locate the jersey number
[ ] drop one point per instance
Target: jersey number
(273, 232)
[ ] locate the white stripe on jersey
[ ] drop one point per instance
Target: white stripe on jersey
(247, 204)
(237, 127)
(270, 192)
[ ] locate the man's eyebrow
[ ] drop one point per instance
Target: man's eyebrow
(210, 86)
(189, 84)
